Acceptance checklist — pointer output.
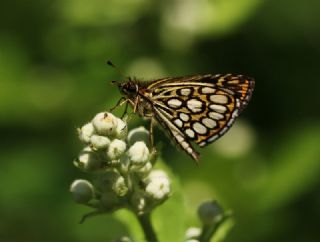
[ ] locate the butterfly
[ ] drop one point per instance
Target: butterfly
(196, 108)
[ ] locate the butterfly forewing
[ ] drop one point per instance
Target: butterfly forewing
(199, 108)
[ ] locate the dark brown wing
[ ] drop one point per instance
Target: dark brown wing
(199, 108)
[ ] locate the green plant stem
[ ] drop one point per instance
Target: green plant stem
(209, 231)
(147, 228)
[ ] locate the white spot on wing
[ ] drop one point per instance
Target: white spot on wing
(179, 138)
(174, 103)
(184, 117)
(207, 90)
(185, 91)
(213, 138)
(210, 123)
(225, 129)
(221, 99)
(194, 105)
(216, 116)
(178, 122)
(185, 145)
(203, 143)
(238, 103)
(218, 108)
(190, 133)
(235, 113)
(199, 128)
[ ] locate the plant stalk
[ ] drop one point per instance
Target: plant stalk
(209, 231)
(147, 228)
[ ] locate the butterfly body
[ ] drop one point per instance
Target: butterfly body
(198, 108)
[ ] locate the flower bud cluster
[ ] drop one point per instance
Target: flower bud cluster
(123, 164)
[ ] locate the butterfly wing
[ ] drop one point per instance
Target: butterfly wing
(199, 108)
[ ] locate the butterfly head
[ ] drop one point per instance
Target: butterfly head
(129, 88)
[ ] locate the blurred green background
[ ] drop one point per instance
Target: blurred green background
(53, 78)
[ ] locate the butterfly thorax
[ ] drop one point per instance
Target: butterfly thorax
(136, 93)
(129, 89)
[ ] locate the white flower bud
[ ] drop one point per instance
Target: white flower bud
(193, 233)
(121, 129)
(85, 132)
(138, 153)
(120, 187)
(142, 171)
(82, 191)
(123, 164)
(158, 186)
(99, 142)
(158, 174)
(139, 134)
(88, 160)
(210, 212)
(105, 123)
(116, 149)
(112, 181)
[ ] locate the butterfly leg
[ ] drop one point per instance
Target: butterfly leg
(126, 116)
(151, 132)
(120, 102)
(135, 104)
(125, 110)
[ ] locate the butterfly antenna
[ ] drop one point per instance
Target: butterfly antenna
(109, 63)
